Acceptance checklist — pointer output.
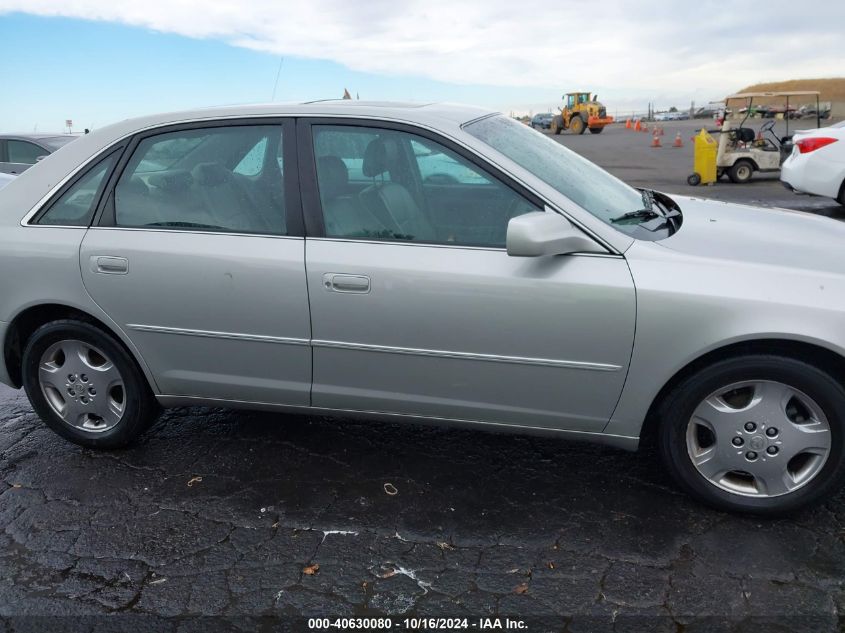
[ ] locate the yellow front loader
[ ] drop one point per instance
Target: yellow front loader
(582, 111)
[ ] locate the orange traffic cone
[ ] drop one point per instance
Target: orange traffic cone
(655, 140)
(644, 128)
(638, 127)
(660, 130)
(678, 142)
(628, 124)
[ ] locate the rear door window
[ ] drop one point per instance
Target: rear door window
(210, 179)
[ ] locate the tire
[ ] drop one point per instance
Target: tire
(741, 171)
(576, 125)
(693, 180)
(841, 198)
(596, 130)
(86, 373)
(556, 125)
(767, 488)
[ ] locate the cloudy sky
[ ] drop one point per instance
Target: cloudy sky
(101, 60)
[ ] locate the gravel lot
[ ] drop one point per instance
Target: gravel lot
(249, 517)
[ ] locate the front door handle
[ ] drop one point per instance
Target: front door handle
(108, 265)
(338, 282)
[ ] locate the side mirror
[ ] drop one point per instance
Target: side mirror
(537, 234)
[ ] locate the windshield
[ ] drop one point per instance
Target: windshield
(586, 184)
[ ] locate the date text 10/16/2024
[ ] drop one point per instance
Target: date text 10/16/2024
(412, 624)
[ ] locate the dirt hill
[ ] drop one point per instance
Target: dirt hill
(832, 89)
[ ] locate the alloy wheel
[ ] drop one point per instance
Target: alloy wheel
(758, 438)
(82, 386)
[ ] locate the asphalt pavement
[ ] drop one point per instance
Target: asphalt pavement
(221, 520)
(240, 519)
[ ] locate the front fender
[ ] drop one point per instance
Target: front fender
(689, 306)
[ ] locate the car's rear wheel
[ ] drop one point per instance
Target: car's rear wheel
(85, 386)
(758, 434)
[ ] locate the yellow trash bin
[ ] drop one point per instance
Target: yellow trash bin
(704, 160)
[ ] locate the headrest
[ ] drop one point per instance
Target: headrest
(174, 181)
(211, 174)
(334, 176)
(134, 185)
(376, 160)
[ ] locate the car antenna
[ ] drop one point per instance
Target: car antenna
(278, 74)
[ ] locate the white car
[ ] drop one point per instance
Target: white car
(817, 163)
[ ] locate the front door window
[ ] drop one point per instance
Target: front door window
(392, 185)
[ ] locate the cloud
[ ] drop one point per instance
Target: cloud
(617, 47)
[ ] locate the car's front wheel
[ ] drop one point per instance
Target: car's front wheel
(760, 434)
(85, 386)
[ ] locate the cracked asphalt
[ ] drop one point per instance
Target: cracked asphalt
(237, 520)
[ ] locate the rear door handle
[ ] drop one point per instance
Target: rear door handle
(108, 265)
(338, 282)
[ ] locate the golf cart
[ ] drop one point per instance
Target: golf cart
(741, 152)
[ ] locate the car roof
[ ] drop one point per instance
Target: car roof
(34, 137)
(445, 117)
(434, 113)
(442, 116)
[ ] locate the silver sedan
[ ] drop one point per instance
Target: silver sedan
(423, 263)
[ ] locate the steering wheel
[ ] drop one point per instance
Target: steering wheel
(767, 126)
